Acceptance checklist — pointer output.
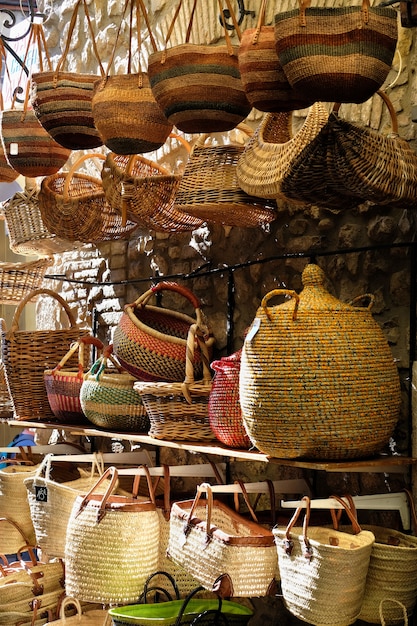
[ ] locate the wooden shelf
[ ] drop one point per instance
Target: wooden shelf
(382, 464)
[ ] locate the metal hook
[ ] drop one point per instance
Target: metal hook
(242, 11)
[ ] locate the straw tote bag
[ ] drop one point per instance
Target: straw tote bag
(26, 354)
(323, 571)
(263, 79)
(118, 100)
(198, 86)
(84, 616)
(73, 206)
(62, 99)
(224, 551)
(17, 528)
(111, 545)
(269, 153)
(341, 54)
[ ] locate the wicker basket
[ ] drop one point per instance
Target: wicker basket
(27, 354)
(19, 279)
(28, 234)
(63, 385)
(73, 206)
(108, 399)
(318, 379)
(179, 411)
(150, 341)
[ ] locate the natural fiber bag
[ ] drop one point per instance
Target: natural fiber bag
(108, 399)
(225, 552)
(62, 99)
(267, 156)
(16, 523)
(73, 206)
(198, 86)
(63, 385)
(84, 616)
(323, 571)
(317, 376)
(120, 98)
(19, 279)
(179, 411)
(111, 545)
(26, 354)
(210, 189)
(263, 79)
(51, 502)
(150, 341)
(39, 576)
(341, 54)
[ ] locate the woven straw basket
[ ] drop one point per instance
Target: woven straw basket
(19, 279)
(27, 354)
(179, 411)
(16, 522)
(317, 378)
(88, 617)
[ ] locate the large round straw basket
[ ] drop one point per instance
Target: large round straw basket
(317, 379)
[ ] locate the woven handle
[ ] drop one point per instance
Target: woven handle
(393, 601)
(280, 292)
(110, 473)
(79, 346)
(29, 297)
(75, 166)
(194, 333)
(390, 107)
(70, 601)
(361, 297)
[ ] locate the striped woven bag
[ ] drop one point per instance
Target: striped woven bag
(341, 54)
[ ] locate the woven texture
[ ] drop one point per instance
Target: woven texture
(239, 558)
(109, 401)
(150, 341)
(269, 153)
(30, 149)
(118, 100)
(19, 279)
(145, 192)
(27, 354)
(317, 377)
(225, 414)
(73, 206)
(6, 404)
(7, 173)
(63, 385)
(323, 571)
(210, 190)
(14, 508)
(263, 79)
(90, 617)
(28, 234)
(341, 54)
(109, 555)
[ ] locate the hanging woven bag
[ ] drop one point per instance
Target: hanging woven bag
(73, 206)
(318, 378)
(62, 99)
(209, 188)
(19, 279)
(198, 86)
(119, 99)
(263, 79)
(150, 341)
(336, 54)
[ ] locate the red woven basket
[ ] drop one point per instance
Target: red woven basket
(225, 414)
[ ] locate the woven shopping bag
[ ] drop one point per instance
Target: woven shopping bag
(28, 234)
(263, 79)
(198, 85)
(341, 54)
(225, 552)
(323, 571)
(26, 354)
(19, 279)
(73, 206)
(179, 411)
(150, 341)
(108, 399)
(144, 191)
(63, 384)
(225, 414)
(120, 98)
(51, 500)
(111, 545)
(62, 99)
(16, 522)
(84, 616)
(210, 190)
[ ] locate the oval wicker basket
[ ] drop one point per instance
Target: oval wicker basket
(317, 379)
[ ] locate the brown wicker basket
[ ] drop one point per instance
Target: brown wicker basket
(179, 411)
(27, 354)
(19, 279)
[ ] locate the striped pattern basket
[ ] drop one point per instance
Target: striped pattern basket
(337, 54)
(17, 280)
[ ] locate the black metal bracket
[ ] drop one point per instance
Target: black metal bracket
(242, 11)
